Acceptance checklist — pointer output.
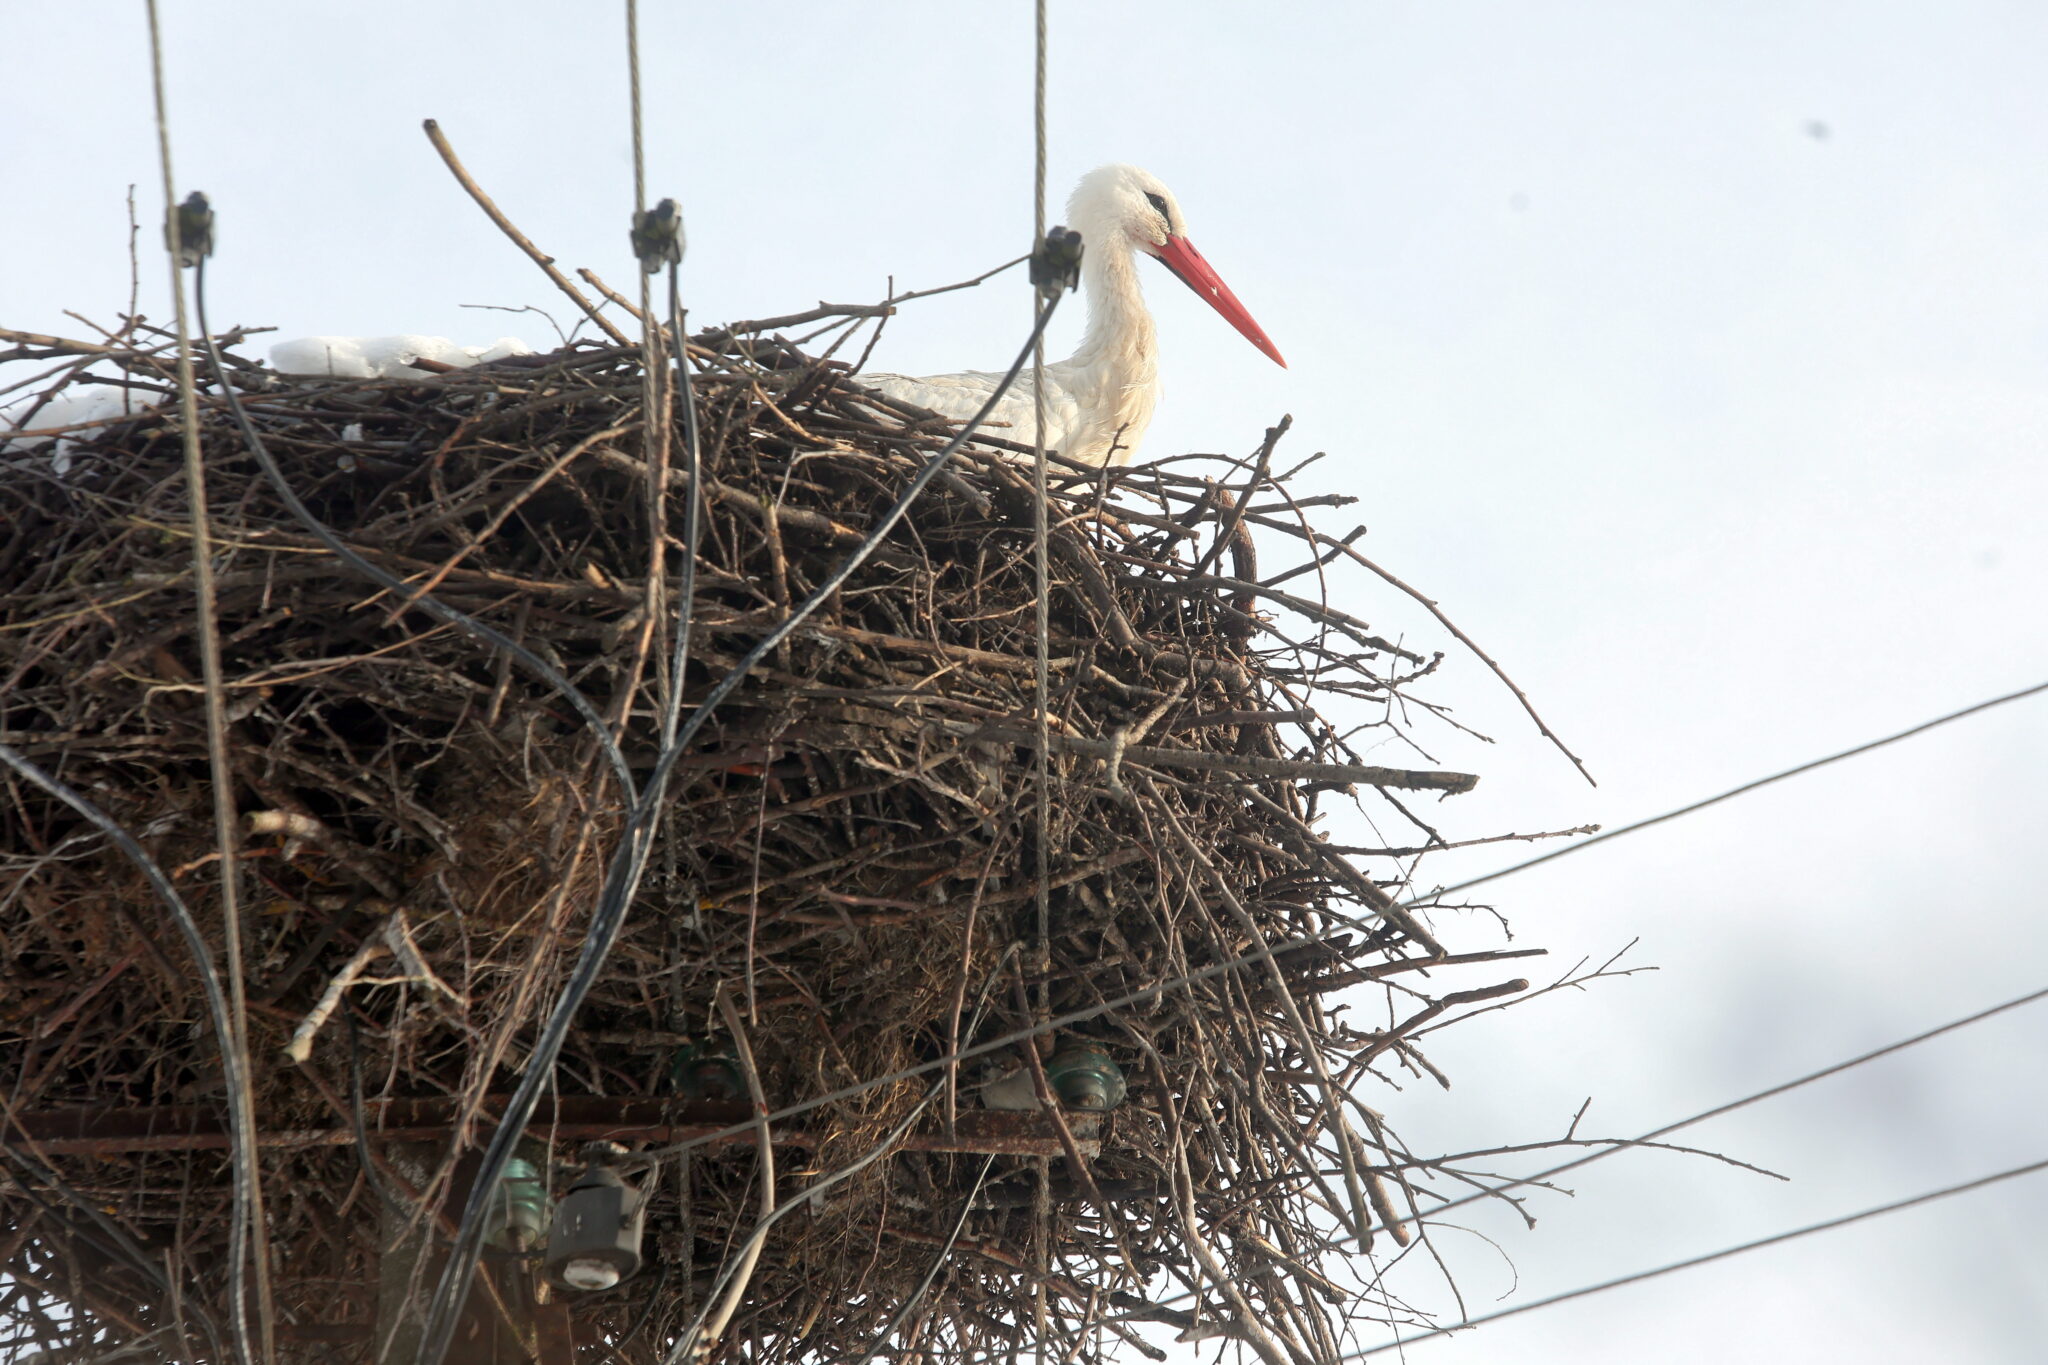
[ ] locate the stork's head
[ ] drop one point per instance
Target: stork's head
(1119, 207)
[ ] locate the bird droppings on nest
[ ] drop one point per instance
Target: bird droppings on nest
(845, 868)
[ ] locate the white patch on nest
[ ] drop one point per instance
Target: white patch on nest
(384, 357)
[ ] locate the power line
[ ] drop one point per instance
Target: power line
(1723, 1254)
(1758, 1096)
(1749, 1099)
(657, 240)
(1261, 953)
(1732, 792)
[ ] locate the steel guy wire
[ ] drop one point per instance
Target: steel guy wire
(1731, 1106)
(1248, 958)
(1041, 564)
(629, 860)
(188, 239)
(1432, 897)
(1773, 1240)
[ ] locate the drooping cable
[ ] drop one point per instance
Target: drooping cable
(1754, 1097)
(442, 1316)
(915, 1297)
(234, 1066)
(1770, 1092)
(622, 879)
(693, 511)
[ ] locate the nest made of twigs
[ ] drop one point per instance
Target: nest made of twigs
(849, 855)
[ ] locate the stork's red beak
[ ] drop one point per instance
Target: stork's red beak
(1180, 256)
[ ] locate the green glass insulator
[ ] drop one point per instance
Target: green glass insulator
(519, 1207)
(1086, 1079)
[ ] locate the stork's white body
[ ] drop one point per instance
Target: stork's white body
(1099, 400)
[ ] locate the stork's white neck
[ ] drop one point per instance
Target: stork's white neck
(1115, 371)
(1120, 329)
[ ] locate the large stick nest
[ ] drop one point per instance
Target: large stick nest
(849, 854)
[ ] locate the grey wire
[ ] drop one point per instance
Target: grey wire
(938, 1263)
(1811, 1228)
(1731, 1106)
(111, 1237)
(1747, 1100)
(233, 1064)
(622, 879)
(1041, 758)
(245, 1221)
(693, 512)
(881, 1149)
(1041, 552)
(364, 1157)
(1253, 956)
(1432, 897)
(633, 78)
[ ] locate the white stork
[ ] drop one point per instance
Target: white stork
(1099, 400)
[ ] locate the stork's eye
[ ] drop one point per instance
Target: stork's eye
(1159, 202)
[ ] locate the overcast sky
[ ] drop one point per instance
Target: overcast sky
(1694, 356)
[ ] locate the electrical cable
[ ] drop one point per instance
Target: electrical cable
(373, 1177)
(1435, 896)
(916, 1297)
(1811, 1228)
(233, 1068)
(1041, 674)
(1731, 1106)
(693, 512)
(442, 1316)
(622, 879)
(1750, 1099)
(688, 1339)
(1260, 954)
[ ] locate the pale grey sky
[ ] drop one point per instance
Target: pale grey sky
(1695, 356)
